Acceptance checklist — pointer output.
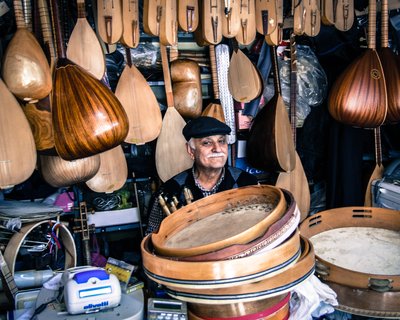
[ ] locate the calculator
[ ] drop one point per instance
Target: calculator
(160, 308)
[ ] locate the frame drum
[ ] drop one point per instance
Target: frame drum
(357, 247)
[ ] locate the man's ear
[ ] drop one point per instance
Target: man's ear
(189, 151)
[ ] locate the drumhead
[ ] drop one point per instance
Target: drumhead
(361, 249)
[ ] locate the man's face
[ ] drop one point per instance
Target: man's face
(209, 152)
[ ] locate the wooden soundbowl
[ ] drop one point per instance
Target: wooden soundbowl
(277, 233)
(235, 216)
(354, 226)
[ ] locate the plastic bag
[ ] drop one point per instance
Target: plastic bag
(312, 83)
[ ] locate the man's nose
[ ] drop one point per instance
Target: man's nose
(216, 146)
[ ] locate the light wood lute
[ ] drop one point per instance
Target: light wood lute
(109, 20)
(211, 21)
(171, 155)
(25, 69)
(344, 14)
(247, 17)
(169, 23)
(58, 172)
(295, 181)
(230, 18)
(152, 12)
(112, 173)
(17, 146)
(244, 80)
(266, 16)
(83, 46)
(130, 23)
(312, 17)
(140, 104)
(188, 15)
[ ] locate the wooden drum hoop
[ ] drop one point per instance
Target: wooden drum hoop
(222, 204)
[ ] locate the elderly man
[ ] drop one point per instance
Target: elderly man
(207, 146)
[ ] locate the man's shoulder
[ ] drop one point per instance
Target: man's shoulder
(177, 180)
(241, 176)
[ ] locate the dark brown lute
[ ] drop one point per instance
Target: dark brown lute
(295, 181)
(391, 68)
(378, 170)
(270, 144)
(87, 117)
(358, 96)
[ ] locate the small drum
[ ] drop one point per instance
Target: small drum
(357, 247)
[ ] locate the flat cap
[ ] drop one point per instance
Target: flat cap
(204, 127)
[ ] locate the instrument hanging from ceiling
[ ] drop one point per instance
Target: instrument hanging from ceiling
(26, 71)
(17, 145)
(87, 117)
(358, 97)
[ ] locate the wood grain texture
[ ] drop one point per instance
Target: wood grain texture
(58, 172)
(25, 69)
(247, 15)
(87, 117)
(141, 106)
(41, 125)
(109, 20)
(130, 23)
(211, 26)
(152, 11)
(266, 16)
(84, 47)
(188, 15)
(112, 173)
(169, 23)
(17, 145)
(244, 80)
(230, 18)
(358, 97)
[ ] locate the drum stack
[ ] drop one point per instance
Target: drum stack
(236, 253)
(357, 252)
